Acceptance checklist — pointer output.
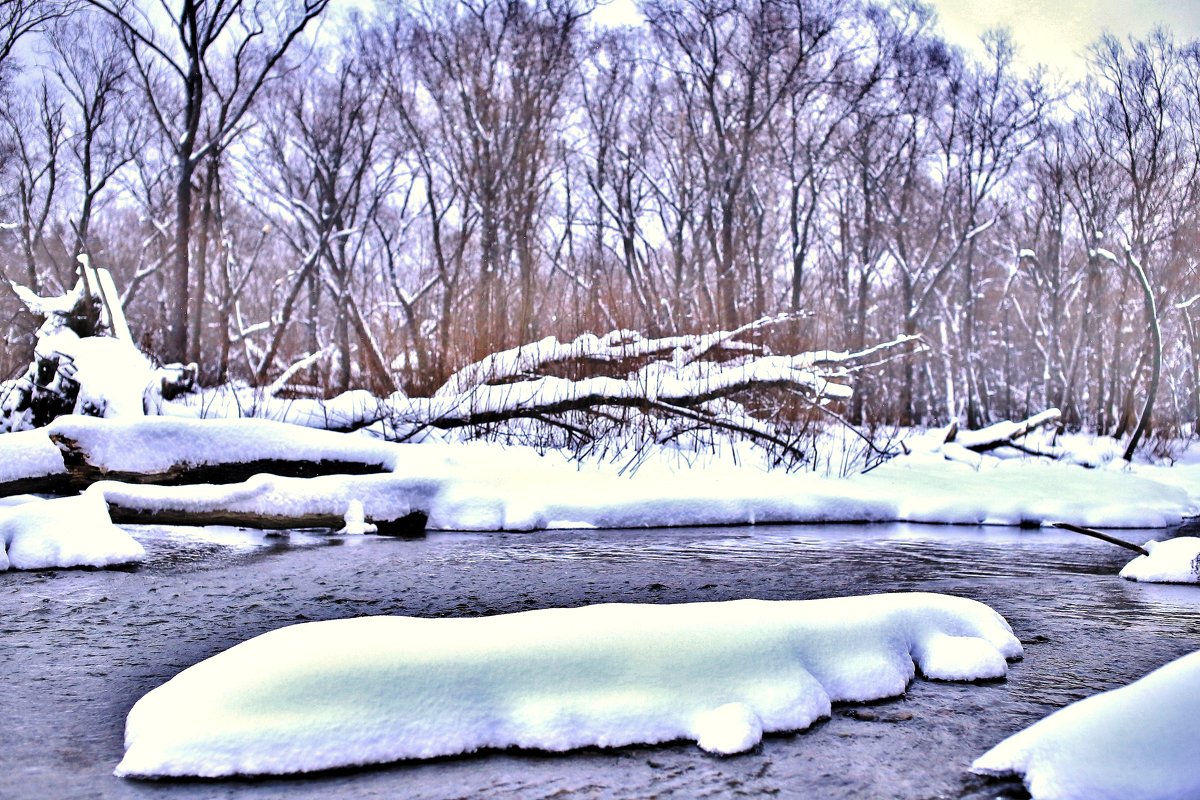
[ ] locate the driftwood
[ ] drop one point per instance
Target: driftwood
(406, 525)
(38, 484)
(1004, 434)
(195, 451)
(1095, 534)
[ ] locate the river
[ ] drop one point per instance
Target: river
(79, 647)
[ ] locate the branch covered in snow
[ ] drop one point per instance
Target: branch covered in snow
(675, 376)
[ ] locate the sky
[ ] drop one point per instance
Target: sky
(1057, 32)
(1051, 32)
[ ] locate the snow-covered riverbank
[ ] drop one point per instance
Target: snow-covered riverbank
(480, 486)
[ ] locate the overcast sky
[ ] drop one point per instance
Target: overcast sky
(1056, 32)
(1052, 32)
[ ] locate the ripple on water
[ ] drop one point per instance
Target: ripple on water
(81, 646)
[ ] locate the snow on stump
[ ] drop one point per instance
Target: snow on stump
(371, 690)
(1138, 742)
(65, 532)
(1171, 561)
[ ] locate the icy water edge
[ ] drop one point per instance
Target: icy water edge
(78, 648)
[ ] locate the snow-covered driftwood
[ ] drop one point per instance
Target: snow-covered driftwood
(694, 378)
(168, 450)
(84, 360)
(1002, 434)
(333, 502)
(31, 464)
(969, 446)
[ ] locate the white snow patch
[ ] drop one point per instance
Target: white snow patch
(1134, 743)
(376, 689)
(991, 491)
(1172, 561)
(65, 532)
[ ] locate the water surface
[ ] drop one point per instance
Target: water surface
(79, 647)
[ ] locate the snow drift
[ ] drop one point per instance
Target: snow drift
(1138, 742)
(377, 689)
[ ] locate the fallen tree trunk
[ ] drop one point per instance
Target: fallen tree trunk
(1003, 434)
(407, 525)
(395, 505)
(173, 451)
(30, 464)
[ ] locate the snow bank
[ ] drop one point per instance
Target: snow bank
(376, 689)
(1172, 561)
(67, 532)
(1138, 742)
(486, 486)
(929, 488)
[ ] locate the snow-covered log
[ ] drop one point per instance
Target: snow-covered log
(169, 450)
(31, 464)
(332, 502)
(682, 377)
(959, 445)
(615, 347)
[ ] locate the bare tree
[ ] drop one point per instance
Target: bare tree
(198, 59)
(105, 131)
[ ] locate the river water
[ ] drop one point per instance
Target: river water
(79, 647)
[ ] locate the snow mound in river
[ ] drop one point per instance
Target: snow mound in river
(1134, 743)
(1172, 561)
(65, 532)
(376, 689)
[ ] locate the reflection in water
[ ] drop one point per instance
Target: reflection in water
(81, 646)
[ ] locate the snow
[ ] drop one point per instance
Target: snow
(114, 378)
(356, 520)
(64, 532)
(156, 444)
(28, 454)
(1172, 561)
(1134, 743)
(487, 486)
(925, 487)
(376, 689)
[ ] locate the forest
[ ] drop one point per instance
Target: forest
(389, 194)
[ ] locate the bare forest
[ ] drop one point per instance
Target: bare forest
(390, 195)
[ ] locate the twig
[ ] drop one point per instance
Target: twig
(1066, 526)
